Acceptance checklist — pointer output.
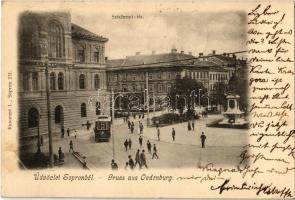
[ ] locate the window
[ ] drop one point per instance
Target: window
(141, 87)
(96, 55)
(159, 75)
(142, 77)
(133, 77)
(52, 81)
(151, 87)
(168, 75)
(35, 80)
(58, 114)
(133, 88)
(60, 81)
(96, 81)
(97, 108)
(160, 88)
(83, 110)
(168, 87)
(82, 81)
(115, 77)
(26, 81)
(33, 118)
(81, 55)
(150, 76)
(55, 40)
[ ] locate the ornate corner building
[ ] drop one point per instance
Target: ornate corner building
(76, 71)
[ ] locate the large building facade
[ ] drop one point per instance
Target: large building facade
(157, 72)
(76, 71)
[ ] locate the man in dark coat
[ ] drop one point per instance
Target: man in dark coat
(203, 138)
(114, 165)
(68, 132)
(149, 146)
(140, 141)
(131, 162)
(137, 159)
(155, 152)
(129, 143)
(126, 144)
(143, 159)
(193, 125)
(71, 146)
(173, 134)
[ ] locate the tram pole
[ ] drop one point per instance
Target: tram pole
(49, 114)
(113, 118)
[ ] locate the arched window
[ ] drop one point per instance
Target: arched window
(55, 40)
(97, 106)
(52, 81)
(83, 110)
(58, 114)
(35, 80)
(60, 81)
(96, 81)
(33, 118)
(96, 55)
(82, 81)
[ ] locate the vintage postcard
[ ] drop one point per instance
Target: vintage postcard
(148, 99)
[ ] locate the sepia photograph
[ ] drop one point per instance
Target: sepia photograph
(140, 99)
(100, 91)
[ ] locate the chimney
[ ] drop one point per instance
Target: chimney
(137, 53)
(190, 53)
(173, 50)
(201, 54)
(153, 52)
(182, 52)
(106, 58)
(224, 54)
(213, 52)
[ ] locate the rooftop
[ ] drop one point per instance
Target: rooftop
(82, 33)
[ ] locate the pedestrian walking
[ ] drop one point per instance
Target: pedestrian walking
(114, 165)
(173, 134)
(60, 154)
(193, 125)
(71, 146)
(68, 132)
(62, 132)
(129, 143)
(158, 133)
(137, 159)
(155, 152)
(129, 124)
(189, 128)
(149, 146)
(126, 143)
(140, 141)
(131, 162)
(132, 129)
(141, 127)
(75, 134)
(143, 159)
(203, 138)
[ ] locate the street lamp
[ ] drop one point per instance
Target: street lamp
(193, 94)
(208, 103)
(200, 97)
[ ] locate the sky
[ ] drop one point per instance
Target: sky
(193, 31)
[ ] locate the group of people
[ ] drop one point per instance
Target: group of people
(126, 118)
(68, 133)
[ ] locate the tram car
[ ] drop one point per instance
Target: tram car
(102, 129)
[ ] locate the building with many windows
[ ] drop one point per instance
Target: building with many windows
(76, 70)
(159, 71)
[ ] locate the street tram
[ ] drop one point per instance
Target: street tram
(102, 129)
